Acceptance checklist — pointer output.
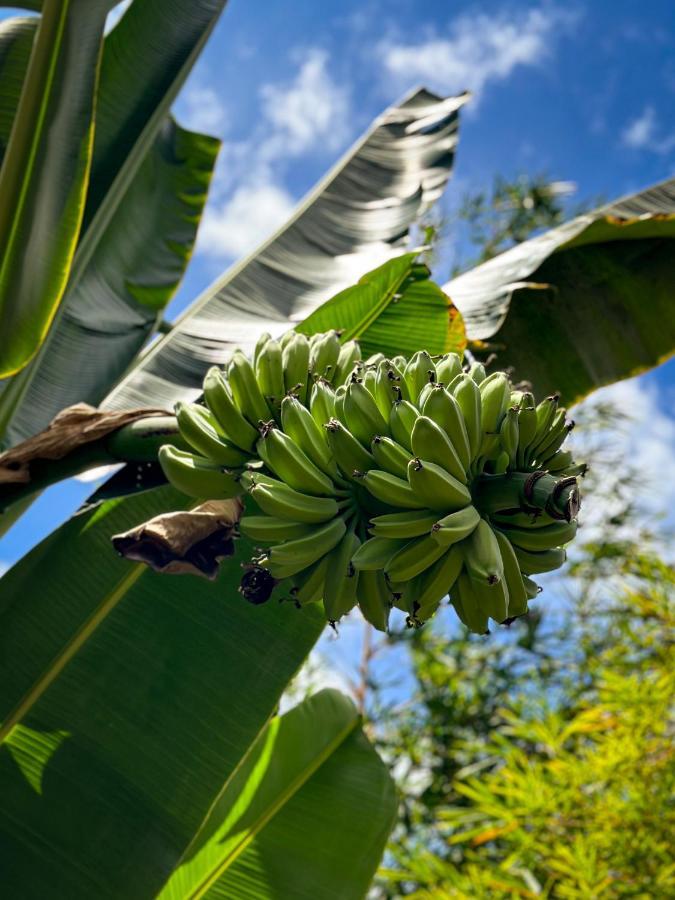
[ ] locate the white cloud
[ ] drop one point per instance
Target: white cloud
(4, 566)
(477, 50)
(116, 14)
(200, 109)
(645, 133)
(310, 113)
(253, 212)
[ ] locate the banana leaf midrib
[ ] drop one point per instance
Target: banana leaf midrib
(292, 788)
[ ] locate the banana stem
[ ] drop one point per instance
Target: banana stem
(525, 491)
(136, 442)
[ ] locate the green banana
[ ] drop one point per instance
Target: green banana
(514, 580)
(435, 487)
(322, 402)
(374, 599)
(402, 418)
(294, 556)
(545, 411)
(390, 489)
(349, 356)
(413, 558)
(527, 428)
(272, 529)
(298, 423)
(308, 585)
(285, 458)
(431, 442)
(456, 526)
(269, 372)
(363, 417)
(482, 557)
(544, 538)
(437, 581)
(260, 343)
(535, 562)
(495, 392)
(492, 599)
(466, 606)
(283, 502)
(386, 381)
(340, 392)
(409, 524)
(349, 454)
(390, 456)
(468, 397)
(508, 433)
(221, 403)
(560, 461)
(245, 390)
(324, 353)
(419, 371)
(558, 436)
(295, 358)
(444, 410)
(196, 476)
(341, 585)
(477, 372)
(198, 426)
(375, 553)
(448, 367)
(531, 587)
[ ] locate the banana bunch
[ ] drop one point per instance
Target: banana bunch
(384, 482)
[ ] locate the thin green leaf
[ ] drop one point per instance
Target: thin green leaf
(305, 816)
(585, 304)
(44, 174)
(127, 700)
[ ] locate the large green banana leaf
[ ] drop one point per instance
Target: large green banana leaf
(585, 304)
(129, 699)
(145, 61)
(16, 40)
(45, 172)
(306, 815)
(359, 215)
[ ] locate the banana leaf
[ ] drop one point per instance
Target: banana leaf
(358, 215)
(128, 702)
(585, 304)
(45, 172)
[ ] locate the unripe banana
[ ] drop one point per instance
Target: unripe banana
(402, 418)
(558, 436)
(374, 360)
(467, 395)
(544, 538)
(413, 558)
(448, 367)
(408, 524)
(294, 556)
(477, 372)
(534, 563)
(466, 606)
(297, 422)
(245, 390)
(198, 426)
(340, 392)
(287, 337)
(322, 402)
(349, 454)
(324, 354)
(363, 417)
(390, 456)
(560, 461)
(269, 373)
(492, 599)
(400, 362)
(295, 358)
(390, 489)
(221, 403)
(424, 394)
(494, 392)
(419, 372)
(374, 599)
(342, 581)
(260, 343)
(514, 580)
(508, 433)
(535, 519)
(455, 526)
(384, 393)
(482, 557)
(350, 354)
(435, 487)
(283, 502)
(196, 476)
(431, 442)
(308, 585)
(501, 463)
(271, 529)
(368, 377)
(285, 458)
(444, 410)
(437, 582)
(545, 410)
(532, 589)
(375, 553)
(527, 428)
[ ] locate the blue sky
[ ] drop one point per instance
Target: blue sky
(581, 91)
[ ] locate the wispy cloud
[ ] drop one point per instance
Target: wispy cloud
(309, 114)
(646, 133)
(201, 109)
(476, 50)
